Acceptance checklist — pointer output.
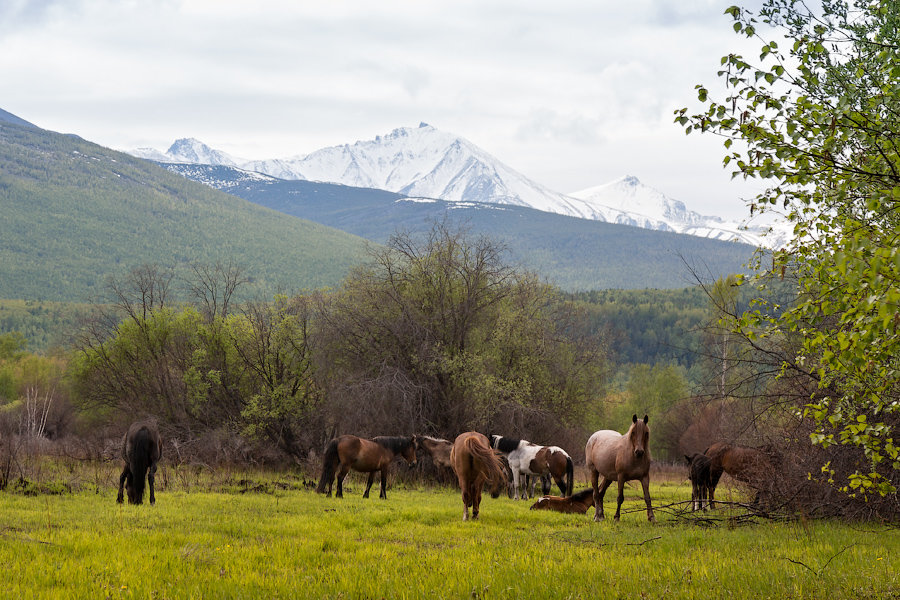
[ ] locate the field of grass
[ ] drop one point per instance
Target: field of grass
(282, 540)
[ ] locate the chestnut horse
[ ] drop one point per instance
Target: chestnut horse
(753, 466)
(366, 456)
(701, 480)
(141, 449)
(621, 458)
(475, 463)
(577, 503)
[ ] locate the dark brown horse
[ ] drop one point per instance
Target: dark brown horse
(141, 449)
(753, 466)
(366, 456)
(621, 458)
(577, 503)
(475, 463)
(701, 480)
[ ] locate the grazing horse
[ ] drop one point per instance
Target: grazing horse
(701, 480)
(577, 503)
(753, 466)
(141, 449)
(620, 458)
(530, 459)
(437, 448)
(366, 456)
(475, 463)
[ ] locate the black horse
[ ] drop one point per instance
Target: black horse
(701, 477)
(141, 450)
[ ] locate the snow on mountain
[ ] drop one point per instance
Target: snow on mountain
(428, 163)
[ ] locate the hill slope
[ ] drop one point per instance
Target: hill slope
(74, 213)
(576, 254)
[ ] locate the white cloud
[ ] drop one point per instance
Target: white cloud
(572, 93)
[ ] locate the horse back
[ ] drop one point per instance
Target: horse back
(601, 451)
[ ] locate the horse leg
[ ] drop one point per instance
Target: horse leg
(466, 498)
(126, 473)
(476, 496)
(342, 472)
(383, 493)
(695, 496)
(369, 482)
(151, 477)
(645, 484)
(561, 482)
(516, 477)
(620, 497)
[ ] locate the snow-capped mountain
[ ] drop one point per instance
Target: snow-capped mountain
(429, 163)
(188, 150)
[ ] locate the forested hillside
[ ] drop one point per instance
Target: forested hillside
(75, 212)
(574, 254)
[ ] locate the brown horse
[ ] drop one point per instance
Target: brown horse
(141, 449)
(437, 448)
(621, 458)
(701, 480)
(753, 466)
(475, 463)
(576, 503)
(366, 456)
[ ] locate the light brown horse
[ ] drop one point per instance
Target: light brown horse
(753, 466)
(141, 449)
(576, 503)
(366, 456)
(621, 458)
(437, 448)
(475, 463)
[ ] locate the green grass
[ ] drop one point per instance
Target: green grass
(293, 543)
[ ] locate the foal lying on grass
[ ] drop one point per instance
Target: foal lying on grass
(576, 503)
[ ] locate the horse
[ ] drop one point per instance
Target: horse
(621, 458)
(577, 503)
(437, 448)
(366, 456)
(526, 458)
(141, 449)
(701, 480)
(753, 466)
(475, 463)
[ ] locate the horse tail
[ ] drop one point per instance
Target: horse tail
(329, 463)
(140, 457)
(570, 475)
(489, 460)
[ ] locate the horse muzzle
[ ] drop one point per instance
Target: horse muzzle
(638, 453)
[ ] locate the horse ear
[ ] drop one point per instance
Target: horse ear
(634, 418)
(646, 419)
(687, 458)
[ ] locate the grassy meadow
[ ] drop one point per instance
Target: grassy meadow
(271, 536)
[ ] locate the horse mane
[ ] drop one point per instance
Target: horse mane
(394, 444)
(507, 445)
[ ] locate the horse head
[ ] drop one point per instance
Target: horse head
(639, 435)
(411, 450)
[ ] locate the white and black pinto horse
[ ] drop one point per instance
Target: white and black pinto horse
(532, 460)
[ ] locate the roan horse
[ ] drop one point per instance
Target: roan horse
(577, 503)
(475, 463)
(621, 458)
(366, 456)
(701, 480)
(437, 448)
(753, 466)
(526, 458)
(141, 449)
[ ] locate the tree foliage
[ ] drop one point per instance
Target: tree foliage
(819, 120)
(441, 336)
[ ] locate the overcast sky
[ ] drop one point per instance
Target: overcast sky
(571, 93)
